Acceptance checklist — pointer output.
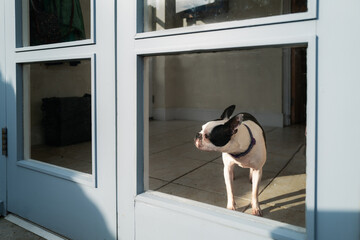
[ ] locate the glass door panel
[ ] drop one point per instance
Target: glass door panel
(188, 90)
(161, 14)
(54, 21)
(57, 113)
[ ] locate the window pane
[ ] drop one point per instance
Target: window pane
(166, 14)
(47, 21)
(188, 90)
(57, 113)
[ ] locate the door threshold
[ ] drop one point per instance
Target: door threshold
(32, 227)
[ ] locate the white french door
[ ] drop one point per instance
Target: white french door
(60, 115)
(169, 32)
(2, 115)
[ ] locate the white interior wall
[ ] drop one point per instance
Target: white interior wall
(199, 86)
(55, 81)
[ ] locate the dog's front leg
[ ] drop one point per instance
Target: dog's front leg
(229, 178)
(256, 178)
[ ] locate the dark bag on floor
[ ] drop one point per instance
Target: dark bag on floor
(66, 120)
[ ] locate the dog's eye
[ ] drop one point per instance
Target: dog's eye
(206, 136)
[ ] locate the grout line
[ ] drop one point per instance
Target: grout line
(213, 161)
(212, 192)
(183, 128)
(271, 130)
(171, 181)
(163, 150)
(174, 130)
(159, 179)
(281, 170)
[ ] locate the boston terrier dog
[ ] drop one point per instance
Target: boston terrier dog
(241, 140)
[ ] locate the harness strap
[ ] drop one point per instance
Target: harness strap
(251, 145)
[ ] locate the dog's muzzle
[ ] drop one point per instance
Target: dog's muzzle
(198, 140)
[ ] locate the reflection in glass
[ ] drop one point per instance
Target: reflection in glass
(57, 113)
(55, 21)
(166, 14)
(184, 91)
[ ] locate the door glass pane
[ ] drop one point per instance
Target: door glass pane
(188, 90)
(166, 14)
(57, 118)
(54, 21)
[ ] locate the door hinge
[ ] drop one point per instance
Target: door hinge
(4, 140)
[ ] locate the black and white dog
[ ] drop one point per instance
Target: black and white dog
(241, 140)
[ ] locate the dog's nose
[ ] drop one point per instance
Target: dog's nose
(198, 136)
(198, 140)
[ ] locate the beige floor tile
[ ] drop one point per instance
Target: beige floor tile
(163, 127)
(218, 160)
(156, 183)
(168, 168)
(168, 134)
(285, 149)
(291, 216)
(76, 157)
(158, 144)
(211, 178)
(285, 140)
(288, 189)
(200, 195)
(298, 164)
(285, 192)
(188, 150)
(275, 162)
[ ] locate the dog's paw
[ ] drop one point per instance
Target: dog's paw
(257, 212)
(231, 207)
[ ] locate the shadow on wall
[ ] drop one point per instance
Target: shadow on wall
(2, 158)
(63, 206)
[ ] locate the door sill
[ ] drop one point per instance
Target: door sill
(31, 227)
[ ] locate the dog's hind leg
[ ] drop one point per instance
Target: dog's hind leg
(256, 178)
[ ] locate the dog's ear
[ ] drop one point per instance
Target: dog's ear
(234, 122)
(227, 112)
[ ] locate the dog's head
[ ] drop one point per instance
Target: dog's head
(217, 134)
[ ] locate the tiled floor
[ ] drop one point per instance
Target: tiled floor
(178, 168)
(75, 156)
